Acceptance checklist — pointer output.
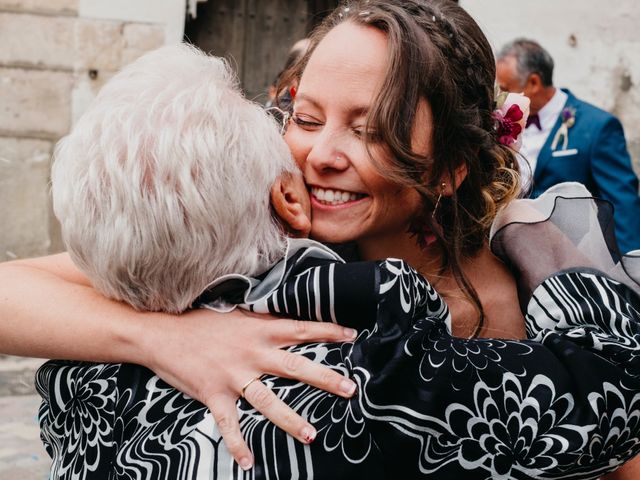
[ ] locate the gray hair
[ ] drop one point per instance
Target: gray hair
(164, 183)
(530, 58)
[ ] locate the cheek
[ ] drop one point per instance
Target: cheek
(298, 149)
(397, 200)
(413, 201)
(402, 201)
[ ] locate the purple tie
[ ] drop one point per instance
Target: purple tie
(534, 120)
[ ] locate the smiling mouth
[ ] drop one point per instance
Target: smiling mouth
(328, 196)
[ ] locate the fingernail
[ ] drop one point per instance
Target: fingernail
(350, 333)
(309, 434)
(347, 387)
(245, 463)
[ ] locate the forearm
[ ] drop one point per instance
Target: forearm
(47, 310)
(629, 471)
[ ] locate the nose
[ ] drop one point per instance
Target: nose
(326, 153)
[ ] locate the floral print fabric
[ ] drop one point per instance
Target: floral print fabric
(429, 405)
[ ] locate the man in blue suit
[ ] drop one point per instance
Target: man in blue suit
(567, 139)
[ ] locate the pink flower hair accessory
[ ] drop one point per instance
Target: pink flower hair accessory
(512, 110)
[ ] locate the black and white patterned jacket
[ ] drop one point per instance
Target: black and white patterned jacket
(565, 404)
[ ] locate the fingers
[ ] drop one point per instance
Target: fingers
(293, 332)
(292, 365)
(224, 411)
(269, 405)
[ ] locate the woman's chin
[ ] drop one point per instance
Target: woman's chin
(330, 234)
(339, 224)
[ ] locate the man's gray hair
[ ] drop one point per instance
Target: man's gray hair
(530, 58)
(164, 183)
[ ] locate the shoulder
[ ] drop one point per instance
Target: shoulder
(392, 270)
(588, 111)
(588, 303)
(403, 289)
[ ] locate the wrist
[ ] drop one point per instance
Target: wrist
(138, 338)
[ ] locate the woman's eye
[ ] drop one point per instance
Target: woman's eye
(371, 135)
(305, 123)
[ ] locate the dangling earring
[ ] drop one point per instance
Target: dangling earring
(435, 208)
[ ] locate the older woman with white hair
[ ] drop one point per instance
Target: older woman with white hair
(160, 188)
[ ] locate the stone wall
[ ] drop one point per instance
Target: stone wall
(54, 57)
(594, 44)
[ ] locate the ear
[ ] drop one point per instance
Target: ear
(290, 201)
(533, 84)
(452, 184)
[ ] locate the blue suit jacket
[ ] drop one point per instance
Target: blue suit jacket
(601, 162)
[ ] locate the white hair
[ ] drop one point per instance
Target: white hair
(163, 184)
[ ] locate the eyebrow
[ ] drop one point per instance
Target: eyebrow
(356, 111)
(307, 98)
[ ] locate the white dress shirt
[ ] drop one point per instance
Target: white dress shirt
(533, 139)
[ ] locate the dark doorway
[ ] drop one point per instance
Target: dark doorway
(255, 35)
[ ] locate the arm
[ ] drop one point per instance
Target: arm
(629, 471)
(508, 409)
(612, 171)
(35, 323)
(48, 310)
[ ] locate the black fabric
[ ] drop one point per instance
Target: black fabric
(429, 405)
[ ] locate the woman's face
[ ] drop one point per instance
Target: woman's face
(350, 200)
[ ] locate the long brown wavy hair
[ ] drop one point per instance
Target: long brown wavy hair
(437, 53)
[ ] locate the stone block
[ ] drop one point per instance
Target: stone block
(85, 89)
(25, 212)
(36, 40)
(61, 7)
(140, 38)
(60, 42)
(98, 45)
(168, 13)
(22, 454)
(35, 103)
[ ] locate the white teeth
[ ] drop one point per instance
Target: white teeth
(334, 197)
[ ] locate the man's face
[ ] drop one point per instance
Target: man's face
(507, 76)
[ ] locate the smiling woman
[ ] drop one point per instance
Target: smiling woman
(371, 142)
(327, 138)
(393, 126)
(327, 135)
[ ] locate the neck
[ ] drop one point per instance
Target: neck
(404, 246)
(493, 283)
(428, 261)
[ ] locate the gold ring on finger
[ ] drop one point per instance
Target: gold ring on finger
(246, 385)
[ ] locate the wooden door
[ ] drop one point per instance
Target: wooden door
(255, 35)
